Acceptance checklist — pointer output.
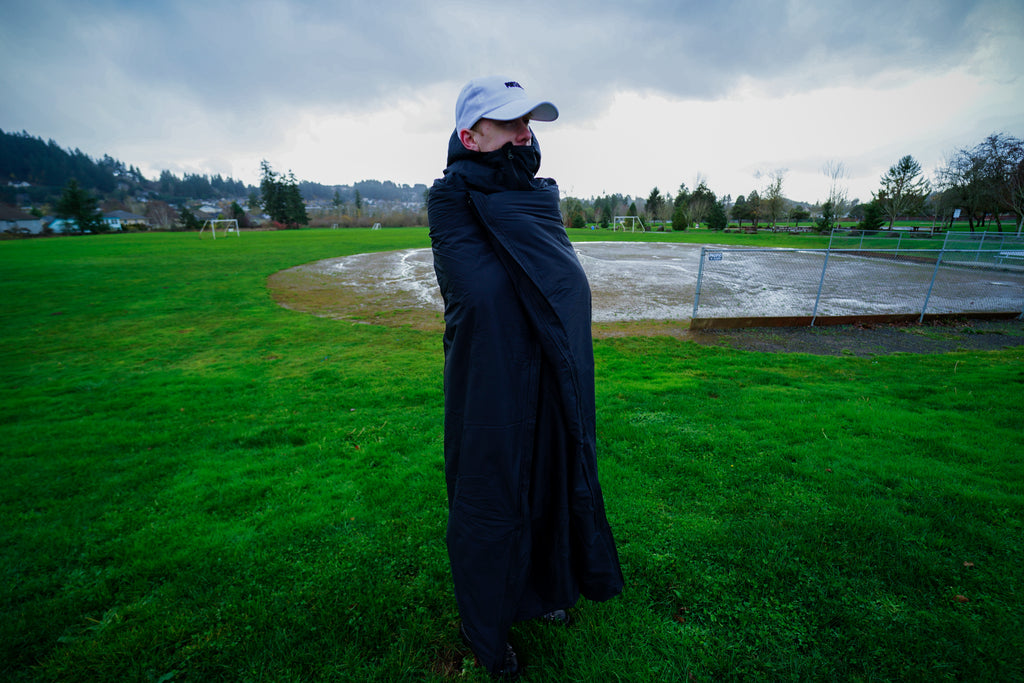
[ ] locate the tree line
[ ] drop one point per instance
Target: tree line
(278, 196)
(199, 186)
(978, 183)
(687, 208)
(24, 158)
(385, 191)
(986, 179)
(47, 168)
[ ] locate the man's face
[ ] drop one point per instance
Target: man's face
(488, 135)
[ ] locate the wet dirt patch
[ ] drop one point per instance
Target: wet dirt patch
(634, 287)
(641, 290)
(314, 289)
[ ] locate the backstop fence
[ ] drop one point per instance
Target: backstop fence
(862, 275)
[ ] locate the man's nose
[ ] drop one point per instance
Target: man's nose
(523, 134)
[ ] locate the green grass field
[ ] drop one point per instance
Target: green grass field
(199, 485)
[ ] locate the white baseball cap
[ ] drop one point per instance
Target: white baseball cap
(500, 99)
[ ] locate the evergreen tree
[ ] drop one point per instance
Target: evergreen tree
(573, 215)
(270, 192)
(294, 206)
(700, 203)
(76, 204)
(680, 217)
(253, 202)
(189, 221)
(827, 221)
(682, 196)
(903, 189)
(681, 209)
(238, 213)
(798, 213)
(741, 210)
(753, 207)
(872, 217)
(281, 198)
(717, 219)
(655, 202)
(604, 208)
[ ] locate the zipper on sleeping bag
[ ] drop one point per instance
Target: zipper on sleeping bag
(473, 208)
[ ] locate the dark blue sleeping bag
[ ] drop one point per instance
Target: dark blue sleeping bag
(527, 532)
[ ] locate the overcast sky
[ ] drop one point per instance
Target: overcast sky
(652, 93)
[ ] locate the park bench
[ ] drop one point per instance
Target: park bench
(1015, 254)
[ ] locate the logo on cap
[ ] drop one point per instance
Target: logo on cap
(513, 84)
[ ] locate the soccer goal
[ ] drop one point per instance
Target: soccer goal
(227, 226)
(631, 220)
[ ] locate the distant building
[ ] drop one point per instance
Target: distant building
(13, 219)
(118, 220)
(61, 224)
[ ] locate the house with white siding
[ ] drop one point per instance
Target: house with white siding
(14, 220)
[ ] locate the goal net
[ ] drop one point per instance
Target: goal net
(623, 221)
(226, 226)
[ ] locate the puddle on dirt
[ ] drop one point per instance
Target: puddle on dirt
(652, 286)
(629, 282)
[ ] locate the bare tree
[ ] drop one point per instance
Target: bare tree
(161, 214)
(1003, 156)
(981, 179)
(773, 202)
(1015, 193)
(837, 174)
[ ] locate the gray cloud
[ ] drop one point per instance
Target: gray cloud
(350, 53)
(209, 72)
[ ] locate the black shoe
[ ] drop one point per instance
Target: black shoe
(509, 670)
(559, 617)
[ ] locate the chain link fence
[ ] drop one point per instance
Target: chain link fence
(862, 274)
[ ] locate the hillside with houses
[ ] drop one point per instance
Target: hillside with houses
(35, 174)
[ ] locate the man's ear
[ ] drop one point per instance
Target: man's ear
(468, 141)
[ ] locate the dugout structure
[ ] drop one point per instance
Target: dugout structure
(227, 226)
(632, 221)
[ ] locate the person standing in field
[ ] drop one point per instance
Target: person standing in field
(527, 532)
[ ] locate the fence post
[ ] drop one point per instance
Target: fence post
(700, 275)
(821, 283)
(927, 296)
